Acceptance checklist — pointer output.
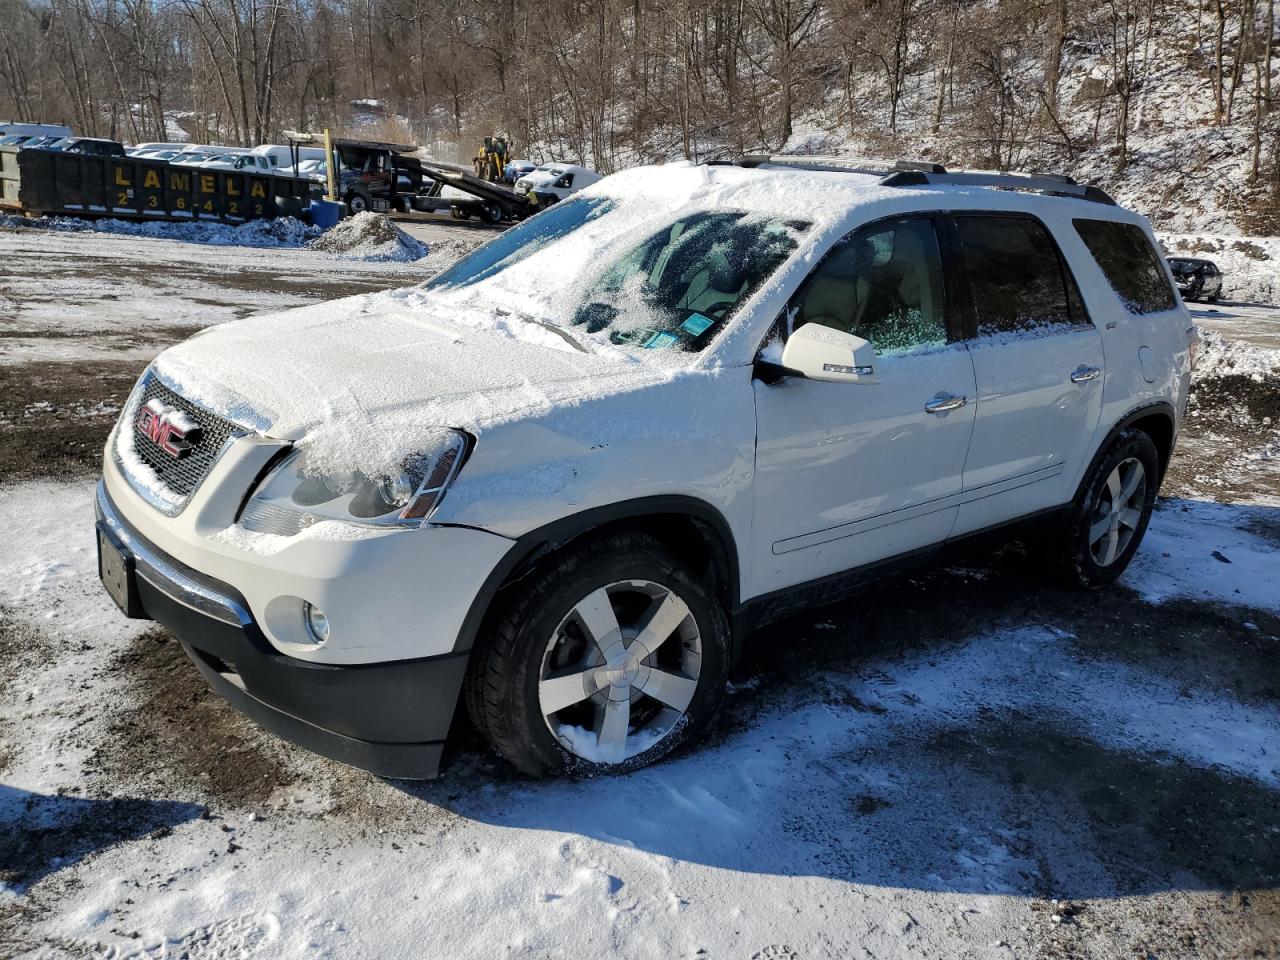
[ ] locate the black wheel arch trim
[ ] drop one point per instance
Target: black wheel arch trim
(532, 547)
(1158, 407)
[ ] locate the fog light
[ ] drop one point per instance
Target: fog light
(317, 622)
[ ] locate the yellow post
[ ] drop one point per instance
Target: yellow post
(328, 164)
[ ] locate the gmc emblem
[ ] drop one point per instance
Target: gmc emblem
(168, 428)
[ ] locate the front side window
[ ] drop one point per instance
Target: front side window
(882, 283)
(1129, 263)
(1016, 276)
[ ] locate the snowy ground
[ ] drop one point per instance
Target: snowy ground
(968, 763)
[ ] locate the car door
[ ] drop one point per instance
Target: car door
(849, 474)
(1038, 362)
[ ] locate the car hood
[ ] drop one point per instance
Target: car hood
(540, 178)
(370, 379)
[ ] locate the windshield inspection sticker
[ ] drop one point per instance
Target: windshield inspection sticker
(660, 340)
(696, 324)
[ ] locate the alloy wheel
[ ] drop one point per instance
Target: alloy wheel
(620, 671)
(1118, 511)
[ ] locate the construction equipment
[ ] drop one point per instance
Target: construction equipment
(491, 158)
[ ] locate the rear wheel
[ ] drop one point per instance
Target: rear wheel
(604, 661)
(1110, 514)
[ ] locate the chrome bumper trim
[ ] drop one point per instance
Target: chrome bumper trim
(166, 575)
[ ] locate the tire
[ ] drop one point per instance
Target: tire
(356, 203)
(540, 652)
(1090, 559)
(491, 214)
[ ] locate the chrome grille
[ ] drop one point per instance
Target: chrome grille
(179, 476)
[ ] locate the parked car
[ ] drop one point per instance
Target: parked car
(89, 147)
(254, 163)
(516, 169)
(1196, 279)
(563, 478)
(191, 158)
(158, 154)
(552, 182)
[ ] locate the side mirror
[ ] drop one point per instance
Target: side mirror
(824, 353)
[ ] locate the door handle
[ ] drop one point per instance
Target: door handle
(1083, 374)
(944, 402)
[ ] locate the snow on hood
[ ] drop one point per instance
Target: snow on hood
(366, 381)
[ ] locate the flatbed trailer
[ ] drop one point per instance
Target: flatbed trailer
(40, 182)
(486, 201)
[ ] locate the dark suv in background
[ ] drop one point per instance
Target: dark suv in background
(1197, 279)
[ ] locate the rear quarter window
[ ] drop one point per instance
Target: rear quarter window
(1129, 263)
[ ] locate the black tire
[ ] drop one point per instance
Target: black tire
(1078, 562)
(502, 683)
(356, 203)
(491, 213)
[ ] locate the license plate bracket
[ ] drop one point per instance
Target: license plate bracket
(116, 571)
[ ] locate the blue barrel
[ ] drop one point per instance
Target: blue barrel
(325, 213)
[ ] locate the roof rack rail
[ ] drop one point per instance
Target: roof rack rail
(918, 173)
(1054, 184)
(867, 165)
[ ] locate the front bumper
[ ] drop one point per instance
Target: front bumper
(389, 718)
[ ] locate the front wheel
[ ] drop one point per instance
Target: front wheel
(1110, 514)
(604, 661)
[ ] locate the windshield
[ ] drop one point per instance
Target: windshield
(656, 283)
(1184, 267)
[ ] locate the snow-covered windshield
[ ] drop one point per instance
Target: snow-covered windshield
(653, 282)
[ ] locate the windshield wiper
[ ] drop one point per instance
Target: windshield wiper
(558, 331)
(561, 332)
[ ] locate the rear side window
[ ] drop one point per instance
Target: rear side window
(1016, 275)
(1129, 263)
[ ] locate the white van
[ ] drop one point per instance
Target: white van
(139, 149)
(282, 156)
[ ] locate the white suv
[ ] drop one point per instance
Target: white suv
(563, 478)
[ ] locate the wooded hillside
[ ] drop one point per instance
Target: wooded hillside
(1167, 102)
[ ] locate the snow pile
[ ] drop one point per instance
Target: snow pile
(1220, 357)
(1250, 265)
(369, 236)
(280, 232)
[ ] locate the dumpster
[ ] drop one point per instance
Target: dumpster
(48, 182)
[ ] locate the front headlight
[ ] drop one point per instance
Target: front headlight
(297, 495)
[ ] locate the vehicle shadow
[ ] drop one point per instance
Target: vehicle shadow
(971, 729)
(41, 834)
